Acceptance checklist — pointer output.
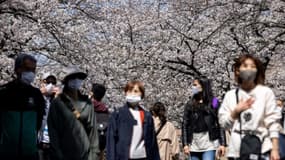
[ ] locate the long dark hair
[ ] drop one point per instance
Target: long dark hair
(206, 95)
(159, 110)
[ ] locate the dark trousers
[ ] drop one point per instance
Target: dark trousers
(44, 151)
(44, 154)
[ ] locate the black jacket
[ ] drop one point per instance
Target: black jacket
(211, 120)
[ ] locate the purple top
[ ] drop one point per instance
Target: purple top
(215, 103)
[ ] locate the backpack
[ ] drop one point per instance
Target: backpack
(102, 119)
(250, 147)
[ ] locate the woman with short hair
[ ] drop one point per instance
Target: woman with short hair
(130, 134)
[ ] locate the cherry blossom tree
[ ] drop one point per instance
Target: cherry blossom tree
(163, 43)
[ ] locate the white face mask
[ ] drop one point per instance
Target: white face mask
(195, 89)
(49, 88)
(75, 83)
(28, 77)
(133, 99)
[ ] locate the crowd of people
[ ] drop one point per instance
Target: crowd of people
(53, 123)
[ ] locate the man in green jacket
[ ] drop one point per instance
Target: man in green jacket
(21, 113)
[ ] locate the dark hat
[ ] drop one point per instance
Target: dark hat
(48, 75)
(73, 72)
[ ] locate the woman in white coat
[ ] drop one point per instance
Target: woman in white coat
(256, 109)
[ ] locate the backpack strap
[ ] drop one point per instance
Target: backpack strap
(237, 100)
(160, 127)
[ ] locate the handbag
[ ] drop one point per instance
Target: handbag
(250, 147)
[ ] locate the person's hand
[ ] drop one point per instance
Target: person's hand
(221, 151)
(76, 113)
(186, 150)
(242, 106)
(274, 155)
(56, 91)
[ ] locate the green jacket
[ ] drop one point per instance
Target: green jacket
(21, 113)
(72, 138)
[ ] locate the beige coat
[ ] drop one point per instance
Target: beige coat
(167, 140)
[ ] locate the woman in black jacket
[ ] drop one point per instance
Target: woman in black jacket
(201, 133)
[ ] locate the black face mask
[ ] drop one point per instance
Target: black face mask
(248, 75)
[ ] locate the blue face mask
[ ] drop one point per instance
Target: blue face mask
(75, 83)
(28, 77)
(195, 89)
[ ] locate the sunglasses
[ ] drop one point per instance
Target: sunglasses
(51, 82)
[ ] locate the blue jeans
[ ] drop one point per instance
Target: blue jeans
(207, 155)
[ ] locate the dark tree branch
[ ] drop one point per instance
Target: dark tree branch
(91, 16)
(190, 67)
(17, 12)
(183, 34)
(2, 1)
(182, 71)
(267, 60)
(131, 33)
(237, 41)
(53, 31)
(104, 32)
(20, 12)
